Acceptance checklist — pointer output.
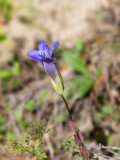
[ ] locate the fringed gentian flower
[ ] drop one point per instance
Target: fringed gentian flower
(45, 56)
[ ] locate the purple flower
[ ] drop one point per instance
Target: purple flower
(45, 56)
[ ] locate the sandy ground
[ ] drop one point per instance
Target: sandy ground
(52, 20)
(62, 20)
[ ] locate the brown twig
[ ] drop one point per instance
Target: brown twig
(96, 156)
(109, 149)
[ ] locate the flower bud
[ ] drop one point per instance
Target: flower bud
(58, 84)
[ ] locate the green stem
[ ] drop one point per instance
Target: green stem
(66, 104)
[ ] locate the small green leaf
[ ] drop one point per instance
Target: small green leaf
(99, 72)
(79, 46)
(83, 85)
(99, 117)
(2, 34)
(16, 83)
(61, 117)
(3, 129)
(110, 140)
(6, 9)
(11, 135)
(107, 111)
(75, 62)
(44, 95)
(30, 105)
(16, 69)
(5, 74)
(2, 121)
(18, 116)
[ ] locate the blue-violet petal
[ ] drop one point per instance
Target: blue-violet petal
(35, 56)
(44, 49)
(50, 69)
(55, 45)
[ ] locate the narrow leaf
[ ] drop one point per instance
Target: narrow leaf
(83, 85)
(75, 63)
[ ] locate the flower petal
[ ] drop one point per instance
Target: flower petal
(50, 69)
(44, 50)
(55, 45)
(34, 55)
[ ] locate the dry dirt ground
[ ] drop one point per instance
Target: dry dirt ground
(52, 20)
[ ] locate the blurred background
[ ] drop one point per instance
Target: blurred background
(89, 59)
